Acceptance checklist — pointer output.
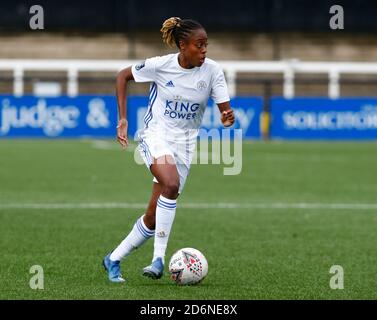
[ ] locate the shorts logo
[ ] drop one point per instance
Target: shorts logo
(201, 85)
(140, 66)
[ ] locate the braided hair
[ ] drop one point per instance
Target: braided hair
(176, 29)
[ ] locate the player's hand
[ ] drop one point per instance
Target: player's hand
(122, 133)
(227, 118)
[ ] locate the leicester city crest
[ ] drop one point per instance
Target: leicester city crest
(201, 85)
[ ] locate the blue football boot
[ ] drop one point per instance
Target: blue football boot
(113, 268)
(155, 270)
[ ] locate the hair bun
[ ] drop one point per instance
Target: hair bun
(168, 28)
(177, 21)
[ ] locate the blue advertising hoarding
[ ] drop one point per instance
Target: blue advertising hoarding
(30, 116)
(96, 116)
(323, 118)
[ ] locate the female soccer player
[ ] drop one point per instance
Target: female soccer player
(181, 84)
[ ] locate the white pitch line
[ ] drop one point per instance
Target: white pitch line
(125, 205)
(107, 145)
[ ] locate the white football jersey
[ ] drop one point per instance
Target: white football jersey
(178, 96)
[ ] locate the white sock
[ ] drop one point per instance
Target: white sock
(138, 235)
(165, 213)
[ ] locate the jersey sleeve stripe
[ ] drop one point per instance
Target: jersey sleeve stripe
(152, 96)
(150, 109)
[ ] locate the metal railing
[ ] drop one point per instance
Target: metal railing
(287, 68)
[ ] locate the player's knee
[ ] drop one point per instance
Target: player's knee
(171, 189)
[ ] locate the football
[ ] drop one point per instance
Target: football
(188, 266)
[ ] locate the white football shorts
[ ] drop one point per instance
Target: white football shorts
(182, 153)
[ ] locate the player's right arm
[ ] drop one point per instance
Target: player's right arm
(143, 72)
(123, 77)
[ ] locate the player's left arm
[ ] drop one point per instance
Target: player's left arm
(227, 114)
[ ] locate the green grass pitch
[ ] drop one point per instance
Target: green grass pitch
(298, 208)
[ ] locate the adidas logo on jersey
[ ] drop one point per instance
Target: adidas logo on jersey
(169, 84)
